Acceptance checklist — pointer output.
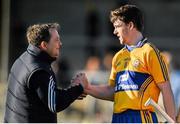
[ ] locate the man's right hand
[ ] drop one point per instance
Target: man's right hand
(80, 79)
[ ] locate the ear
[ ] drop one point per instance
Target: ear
(43, 45)
(131, 25)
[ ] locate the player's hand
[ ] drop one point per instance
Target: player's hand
(80, 79)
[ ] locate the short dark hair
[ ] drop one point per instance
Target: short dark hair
(40, 32)
(128, 13)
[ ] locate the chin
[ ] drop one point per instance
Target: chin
(121, 42)
(55, 57)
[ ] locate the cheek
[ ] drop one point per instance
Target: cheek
(121, 31)
(53, 46)
(125, 32)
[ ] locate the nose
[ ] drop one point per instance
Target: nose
(115, 32)
(60, 44)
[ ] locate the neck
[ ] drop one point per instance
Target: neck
(135, 38)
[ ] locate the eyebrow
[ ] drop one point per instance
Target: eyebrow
(119, 24)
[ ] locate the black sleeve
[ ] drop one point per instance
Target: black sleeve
(55, 99)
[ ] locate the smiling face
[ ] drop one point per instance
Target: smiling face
(54, 44)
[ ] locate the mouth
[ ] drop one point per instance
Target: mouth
(58, 48)
(119, 37)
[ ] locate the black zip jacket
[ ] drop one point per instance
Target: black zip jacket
(32, 94)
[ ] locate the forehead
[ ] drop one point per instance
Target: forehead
(118, 22)
(53, 32)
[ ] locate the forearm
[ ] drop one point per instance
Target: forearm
(168, 100)
(169, 106)
(104, 92)
(66, 97)
(55, 99)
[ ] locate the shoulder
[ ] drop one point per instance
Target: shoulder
(40, 71)
(150, 48)
(38, 76)
(119, 54)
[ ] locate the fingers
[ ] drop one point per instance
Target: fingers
(75, 82)
(80, 74)
(80, 78)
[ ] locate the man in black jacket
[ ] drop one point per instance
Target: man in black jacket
(32, 94)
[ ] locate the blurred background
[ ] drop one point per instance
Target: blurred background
(88, 44)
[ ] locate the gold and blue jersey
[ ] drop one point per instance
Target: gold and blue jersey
(135, 74)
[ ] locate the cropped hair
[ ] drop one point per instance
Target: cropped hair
(40, 32)
(128, 13)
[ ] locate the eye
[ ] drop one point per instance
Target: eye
(57, 39)
(118, 26)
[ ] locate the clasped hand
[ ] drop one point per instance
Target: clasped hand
(80, 78)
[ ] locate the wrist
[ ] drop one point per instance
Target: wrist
(88, 89)
(82, 87)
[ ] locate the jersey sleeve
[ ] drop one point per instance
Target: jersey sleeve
(112, 74)
(55, 99)
(157, 66)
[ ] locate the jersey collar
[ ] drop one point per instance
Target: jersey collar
(139, 44)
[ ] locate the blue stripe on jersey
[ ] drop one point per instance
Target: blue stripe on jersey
(129, 80)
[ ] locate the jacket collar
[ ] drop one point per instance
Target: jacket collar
(42, 55)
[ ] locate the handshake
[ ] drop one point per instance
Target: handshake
(81, 79)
